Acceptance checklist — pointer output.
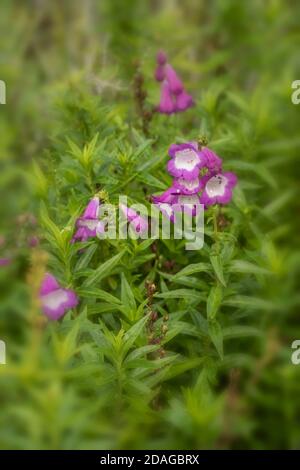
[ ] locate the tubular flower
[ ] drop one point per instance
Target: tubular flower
(218, 188)
(166, 104)
(139, 223)
(184, 186)
(213, 162)
(183, 101)
(174, 98)
(187, 203)
(86, 225)
(54, 299)
(185, 161)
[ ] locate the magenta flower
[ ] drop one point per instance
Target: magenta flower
(5, 261)
(159, 73)
(218, 188)
(213, 162)
(185, 161)
(174, 98)
(166, 104)
(86, 225)
(183, 101)
(187, 203)
(55, 300)
(161, 58)
(139, 223)
(167, 197)
(184, 186)
(176, 85)
(166, 209)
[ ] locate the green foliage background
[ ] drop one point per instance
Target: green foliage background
(69, 129)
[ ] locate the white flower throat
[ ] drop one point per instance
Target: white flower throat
(186, 159)
(216, 186)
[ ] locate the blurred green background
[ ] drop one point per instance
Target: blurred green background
(69, 69)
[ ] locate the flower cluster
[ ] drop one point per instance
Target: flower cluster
(174, 98)
(198, 179)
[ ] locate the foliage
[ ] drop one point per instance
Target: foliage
(213, 370)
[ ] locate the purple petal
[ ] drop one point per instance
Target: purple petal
(167, 196)
(5, 261)
(49, 284)
(161, 58)
(159, 73)
(185, 162)
(187, 203)
(184, 101)
(166, 104)
(140, 224)
(56, 303)
(185, 186)
(92, 209)
(218, 188)
(130, 214)
(174, 81)
(214, 163)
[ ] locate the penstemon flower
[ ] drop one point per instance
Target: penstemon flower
(187, 203)
(54, 299)
(139, 223)
(185, 161)
(87, 224)
(166, 104)
(174, 98)
(187, 187)
(4, 261)
(213, 162)
(218, 188)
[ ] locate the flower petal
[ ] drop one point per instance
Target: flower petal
(56, 303)
(49, 284)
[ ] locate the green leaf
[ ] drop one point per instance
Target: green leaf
(191, 269)
(240, 331)
(250, 303)
(104, 270)
(133, 333)
(99, 294)
(127, 295)
(214, 301)
(241, 266)
(187, 294)
(218, 268)
(86, 257)
(216, 335)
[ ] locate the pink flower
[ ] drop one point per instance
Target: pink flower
(166, 104)
(55, 300)
(5, 261)
(187, 187)
(174, 98)
(213, 162)
(161, 58)
(218, 188)
(176, 85)
(187, 203)
(87, 224)
(183, 101)
(139, 223)
(185, 161)
(159, 73)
